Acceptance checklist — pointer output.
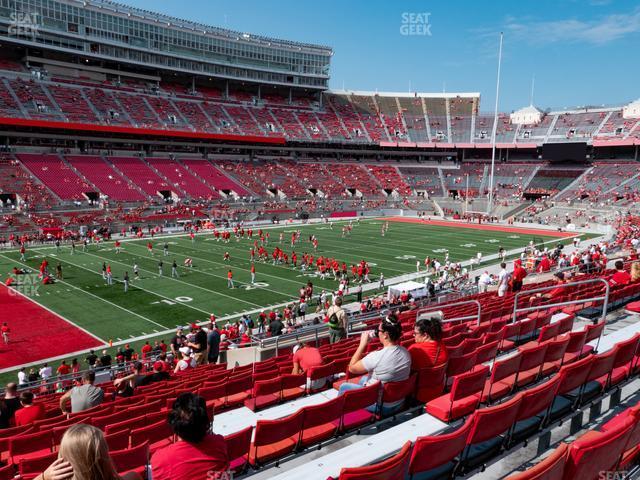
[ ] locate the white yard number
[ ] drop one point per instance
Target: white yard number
(249, 286)
(171, 302)
(406, 257)
(468, 245)
(491, 240)
(440, 250)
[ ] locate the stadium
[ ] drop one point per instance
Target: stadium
(215, 264)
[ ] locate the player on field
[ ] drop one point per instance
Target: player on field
(253, 273)
(22, 252)
(57, 245)
(85, 245)
(104, 270)
(109, 275)
(188, 262)
(229, 279)
(226, 257)
(73, 247)
(174, 269)
(150, 248)
(160, 264)
(5, 332)
(136, 272)
(126, 282)
(117, 245)
(193, 237)
(165, 249)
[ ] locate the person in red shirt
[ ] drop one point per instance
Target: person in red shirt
(428, 351)
(306, 357)
(197, 454)
(64, 369)
(545, 265)
(555, 293)
(621, 277)
(519, 274)
(146, 349)
(30, 412)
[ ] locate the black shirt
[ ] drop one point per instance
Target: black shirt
(151, 378)
(105, 360)
(200, 341)
(91, 359)
(275, 327)
(127, 353)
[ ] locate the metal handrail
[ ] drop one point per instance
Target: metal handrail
(456, 319)
(605, 297)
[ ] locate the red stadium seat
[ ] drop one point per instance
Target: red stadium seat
(464, 396)
(132, 459)
(275, 438)
(118, 440)
(30, 468)
(532, 413)
(30, 445)
(8, 472)
(394, 468)
(293, 386)
(238, 445)
(321, 422)
(265, 393)
(551, 468)
(502, 380)
(430, 382)
(354, 412)
(596, 452)
(157, 435)
(436, 453)
(488, 433)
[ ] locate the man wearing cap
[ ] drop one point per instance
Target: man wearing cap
(199, 345)
(213, 342)
(552, 294)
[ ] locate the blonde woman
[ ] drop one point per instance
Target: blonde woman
(635, 271)
(84, 455)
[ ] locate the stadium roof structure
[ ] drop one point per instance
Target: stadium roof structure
(171, 21)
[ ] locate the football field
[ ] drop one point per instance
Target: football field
(157, 303)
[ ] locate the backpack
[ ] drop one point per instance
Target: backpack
(334, 321)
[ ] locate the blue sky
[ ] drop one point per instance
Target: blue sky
(580, 51)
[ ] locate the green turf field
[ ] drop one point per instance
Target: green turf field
(157, 303)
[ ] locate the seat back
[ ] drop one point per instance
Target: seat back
(434, 451)
(131, 458)
(394, 468)
(487, 351)
(430, 382)
(489, 422)
(574, 374)
(322, 372)
(29, 443)
(594, 332)
(325, 415)
(576, 341)
(32, 466)
(151, 433)
(556, 349)
(551, 468)
(461, 364)
(537, 399)
(273, 431)
(238, 445)
(470, 383)
(548, 332)
(360, 398)
(8, 472)
(118, 440)
(396, 391)
(596, 452)
(625, 351)
(532, 357)
(602, 364)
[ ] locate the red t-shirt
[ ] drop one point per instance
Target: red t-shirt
(27, 415)
(428, 354)
(620, 278)
(424, 355)
(63, 370)
(187, 461)
(307, 357)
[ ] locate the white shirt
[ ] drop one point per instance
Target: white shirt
(485, 279)
(45, 372)
(502, 278)
(22, 378)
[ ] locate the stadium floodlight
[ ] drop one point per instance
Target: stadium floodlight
(494, 130)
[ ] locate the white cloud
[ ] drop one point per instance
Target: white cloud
(596, 32)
